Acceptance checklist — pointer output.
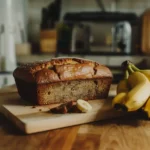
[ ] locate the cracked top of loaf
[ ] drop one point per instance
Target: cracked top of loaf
(61, 69)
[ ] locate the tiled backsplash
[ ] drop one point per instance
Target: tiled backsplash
(35, 6)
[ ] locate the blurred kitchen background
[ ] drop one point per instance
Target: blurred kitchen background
(106, 31)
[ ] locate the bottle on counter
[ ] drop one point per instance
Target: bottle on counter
(48, 32)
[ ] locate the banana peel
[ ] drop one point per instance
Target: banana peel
(122, 89)
(118, 100)
(146, 108)
(139, 92)
(137, 97)
(133, 92)
(146, 72)
(123, 84)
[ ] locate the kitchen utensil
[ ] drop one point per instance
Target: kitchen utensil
(121, 34)
(48, 41)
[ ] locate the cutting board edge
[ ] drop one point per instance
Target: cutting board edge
(29, 128)
(16, 121)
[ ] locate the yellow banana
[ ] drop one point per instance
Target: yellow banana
(139, 93)
(136, 78)
(83, 105)
(146, 72)
(123, 84)
(122, 89)
(146, 108)
(118, 100)
(132, 92)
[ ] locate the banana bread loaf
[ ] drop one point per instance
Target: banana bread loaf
(61, 80)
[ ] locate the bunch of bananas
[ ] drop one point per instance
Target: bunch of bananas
(133, 91)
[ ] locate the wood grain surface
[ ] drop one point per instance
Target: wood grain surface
(125, 133)
(31, 119)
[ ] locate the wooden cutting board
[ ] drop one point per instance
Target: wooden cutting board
(31, 119)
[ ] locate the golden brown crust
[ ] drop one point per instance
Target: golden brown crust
(46, 76)
(61, 69)
(63, 61)
(76, 71)
(101, 70)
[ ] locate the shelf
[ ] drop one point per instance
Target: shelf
(100, 16)
(101, 54)
(109, 59)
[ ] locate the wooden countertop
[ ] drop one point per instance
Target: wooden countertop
(126, 133)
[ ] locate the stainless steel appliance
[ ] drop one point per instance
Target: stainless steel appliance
(80, 38)
(73, 38)
(121, 34)
(107, 32)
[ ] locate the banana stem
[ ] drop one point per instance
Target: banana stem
(134, 67)
(126, 75)
(130, 69)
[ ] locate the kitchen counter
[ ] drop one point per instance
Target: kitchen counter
(109, 60)
(128, 132)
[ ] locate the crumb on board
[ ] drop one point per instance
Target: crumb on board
(33, 107)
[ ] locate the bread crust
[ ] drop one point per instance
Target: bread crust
(61, 69)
